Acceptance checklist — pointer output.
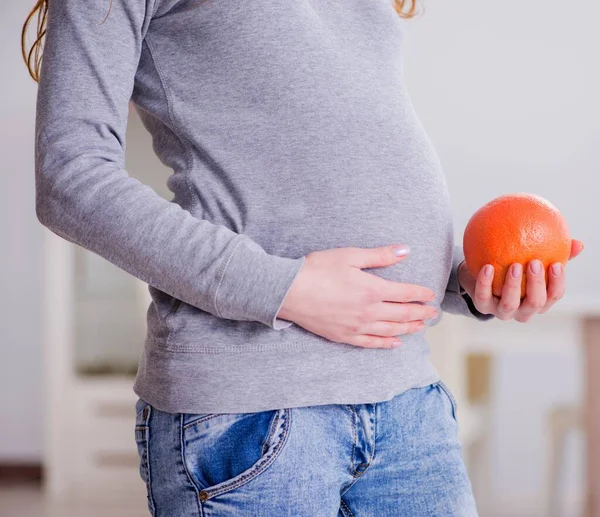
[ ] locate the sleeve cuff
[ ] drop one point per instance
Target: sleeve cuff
(254, 284)
(474, 311)
(456, 299)
(453, 284)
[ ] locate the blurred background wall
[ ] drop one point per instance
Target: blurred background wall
(21, 258)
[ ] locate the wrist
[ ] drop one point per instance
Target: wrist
(284, 314)
(466, 281)
(287, 311)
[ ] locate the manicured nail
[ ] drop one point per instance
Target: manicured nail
(401, 251)
(557, 269)
(488, 270)
(517, 269)
(535, 266)
(396, 344)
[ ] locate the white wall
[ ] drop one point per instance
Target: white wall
(508, 92)
(20, 252)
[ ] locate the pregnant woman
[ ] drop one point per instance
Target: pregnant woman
(279, 377)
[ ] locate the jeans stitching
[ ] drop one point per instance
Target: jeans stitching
(353, 470)
(351, 485)
(200, 420)
(374, 433)
(146, 444)
(346, 508)
(448, 393)
(185, 467)
(272, 429)
(354, 438)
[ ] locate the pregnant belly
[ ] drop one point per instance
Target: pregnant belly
(424, 225)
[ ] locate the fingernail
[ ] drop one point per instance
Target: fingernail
(557, 269)
(517, 269)
(488, 270)
(401, 251)
(535, 266)
(396, 344)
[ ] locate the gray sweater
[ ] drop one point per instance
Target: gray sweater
(288, 129)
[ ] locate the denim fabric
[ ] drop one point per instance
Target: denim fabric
(400, 458)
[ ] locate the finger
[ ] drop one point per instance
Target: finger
(483, 298)
(520, 318)
(382, 256)
(401, 312)
(511, 293)
(399, 292)
(576, 248)
(556, 285)
(536, 295)
(391, 328)
(370, 341)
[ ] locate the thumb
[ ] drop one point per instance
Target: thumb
(377, 257)
(576, 248)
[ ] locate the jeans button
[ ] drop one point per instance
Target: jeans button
(203, 495)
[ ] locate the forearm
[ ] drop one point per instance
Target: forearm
(84, 193)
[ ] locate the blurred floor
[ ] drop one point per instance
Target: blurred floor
(28, 501)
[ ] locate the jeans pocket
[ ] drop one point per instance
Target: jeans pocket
(142, 437)
(453, 404)
(223, 451)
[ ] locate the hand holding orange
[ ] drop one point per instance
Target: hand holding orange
(515, 228)
(507, 237)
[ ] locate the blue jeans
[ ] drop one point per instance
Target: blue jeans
(397, 458)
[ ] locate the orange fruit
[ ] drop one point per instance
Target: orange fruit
(515, 228)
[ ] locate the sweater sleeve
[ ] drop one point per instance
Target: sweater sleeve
(85, 195)
(454, 302)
